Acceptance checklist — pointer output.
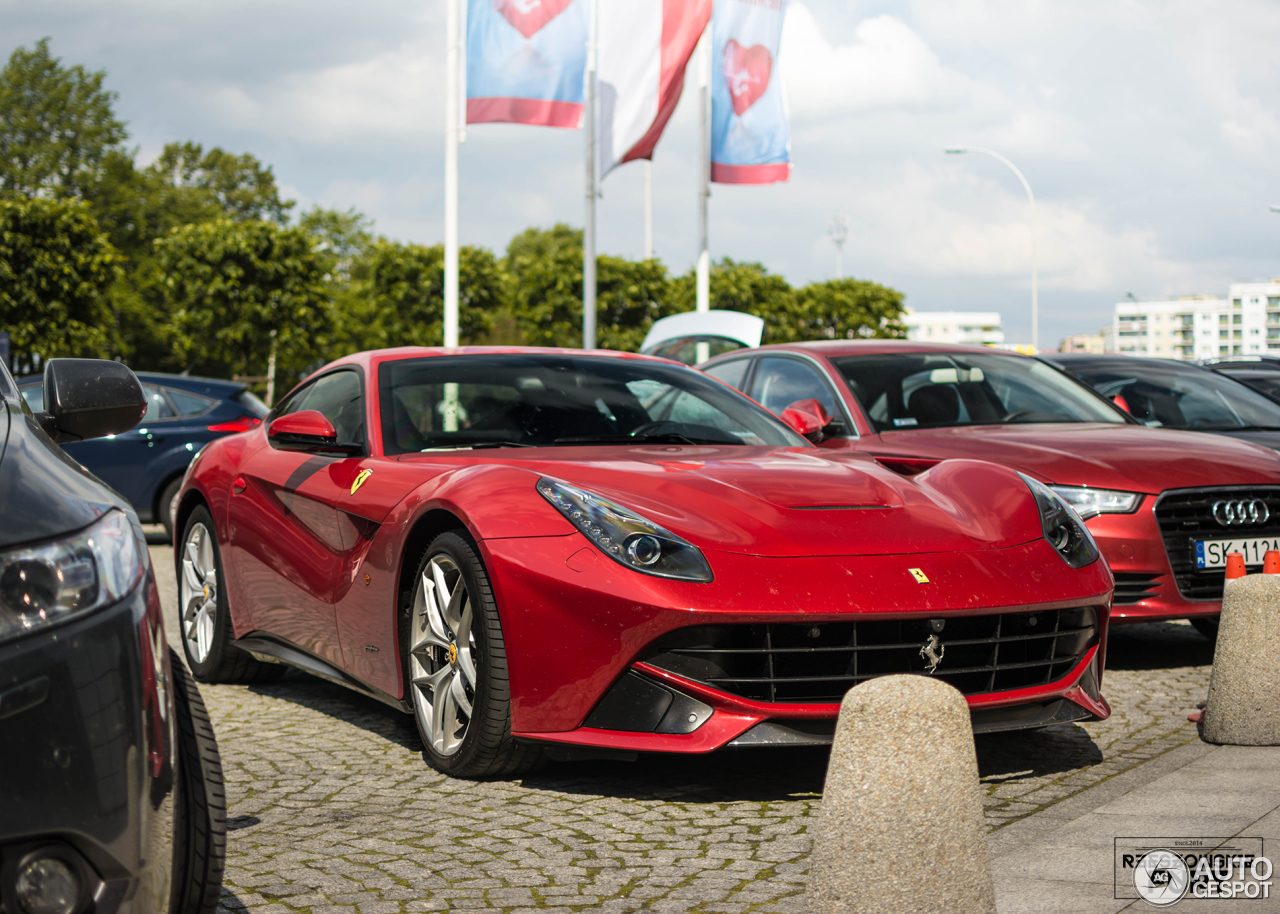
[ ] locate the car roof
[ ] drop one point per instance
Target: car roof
(836, 348)
(1069, 360)
(219, 386)
(371, 358)
(1250, 372)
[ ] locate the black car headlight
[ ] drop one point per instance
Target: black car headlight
(44, 585)
(625, 536)
(1062, 526)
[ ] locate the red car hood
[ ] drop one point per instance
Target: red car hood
(1128, 457)
(791, 501)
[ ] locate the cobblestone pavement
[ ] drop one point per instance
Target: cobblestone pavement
(332, 807)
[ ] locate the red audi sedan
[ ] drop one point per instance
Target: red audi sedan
(590, 553)
(1165, 506)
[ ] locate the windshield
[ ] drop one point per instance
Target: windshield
(1174, 396)
(942, 389)
(540, 400)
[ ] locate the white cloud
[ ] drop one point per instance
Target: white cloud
(396, 93)
(888, 66)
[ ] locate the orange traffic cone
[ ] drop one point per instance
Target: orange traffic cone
(1271, 562)
(1235, 565)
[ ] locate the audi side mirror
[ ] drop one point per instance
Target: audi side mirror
(808, 417)
(307, 430)
(89, 398)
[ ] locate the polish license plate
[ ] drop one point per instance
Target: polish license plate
(1213, 553)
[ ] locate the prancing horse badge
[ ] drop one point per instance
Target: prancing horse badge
(920, 576)
(364, 474)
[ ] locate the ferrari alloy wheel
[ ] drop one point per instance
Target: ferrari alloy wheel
(203, 616)
(441, 655)
(457, 665)
(199, 592)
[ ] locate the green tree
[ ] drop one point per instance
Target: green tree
(57, 126)
(229, 286)
(185, 185)
(546, 274)
(748, 287)
(55, 267)
(404, 285)
(846, 309)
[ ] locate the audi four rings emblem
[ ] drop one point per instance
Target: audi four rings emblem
(1238, 513)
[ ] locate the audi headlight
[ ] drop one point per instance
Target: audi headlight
(45, 585)
(1062, 526)
(625, 536)
(1092, 502)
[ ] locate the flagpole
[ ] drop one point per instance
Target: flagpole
(648, 209)
(704, 185)
(589, 231)
(704, 171)
(451, 128)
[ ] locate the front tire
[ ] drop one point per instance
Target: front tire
(200, 808)
(203, 615)
(456, 665)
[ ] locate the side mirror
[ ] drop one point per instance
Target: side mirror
(89, 398)
(808, 417)
(302, 431)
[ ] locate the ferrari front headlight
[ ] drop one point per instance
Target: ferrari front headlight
(625, 536)
(1062, 526)
(1092, 502)
(44, 585)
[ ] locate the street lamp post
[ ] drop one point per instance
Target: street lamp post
(1035, 302)
(839, 232)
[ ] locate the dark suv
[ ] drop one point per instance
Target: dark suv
(111, 794)
(145, 464)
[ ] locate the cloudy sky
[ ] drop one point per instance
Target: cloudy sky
(1149, 132)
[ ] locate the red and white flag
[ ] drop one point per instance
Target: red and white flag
(644, 48)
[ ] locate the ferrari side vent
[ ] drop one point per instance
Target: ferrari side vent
(819, 661)
(1133, 587)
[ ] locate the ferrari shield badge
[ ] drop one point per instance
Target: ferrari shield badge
(919, 575)
(364, 474)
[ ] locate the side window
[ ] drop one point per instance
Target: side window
(731, 372)
(189, 404)
(157, 406)
(34, 395)
(780, 382)
(337, 398)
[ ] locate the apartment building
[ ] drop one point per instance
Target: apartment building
(1246, 322)
(976, 327)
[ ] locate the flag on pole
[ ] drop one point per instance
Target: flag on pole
(525, 61)
(644, 48)
(750, 139)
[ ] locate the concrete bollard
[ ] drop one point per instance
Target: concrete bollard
(1244, 687)
(901, 826)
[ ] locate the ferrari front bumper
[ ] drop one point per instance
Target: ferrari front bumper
(578, 626)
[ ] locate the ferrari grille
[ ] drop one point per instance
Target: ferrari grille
(820, 661)
(1187, 516)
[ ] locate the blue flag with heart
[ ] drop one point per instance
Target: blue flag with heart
(525, 61)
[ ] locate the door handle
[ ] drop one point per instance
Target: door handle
(238, 485)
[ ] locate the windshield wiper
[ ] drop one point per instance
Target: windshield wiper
(479, 445)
